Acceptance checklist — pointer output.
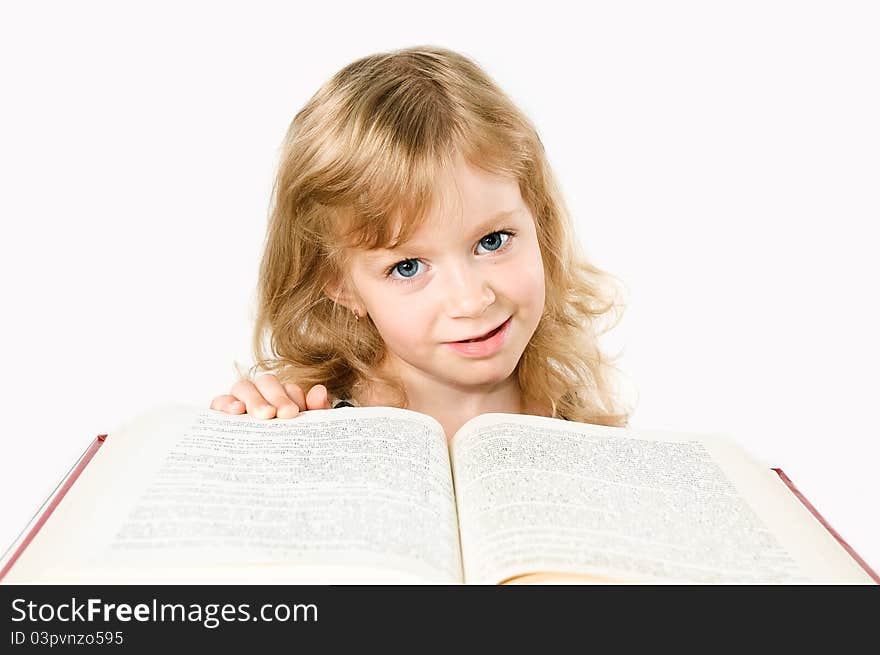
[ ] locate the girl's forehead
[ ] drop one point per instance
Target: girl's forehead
(466, 197)
(461, 198)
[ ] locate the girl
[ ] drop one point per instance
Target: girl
(419, 255)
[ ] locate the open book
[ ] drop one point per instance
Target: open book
(376, 495)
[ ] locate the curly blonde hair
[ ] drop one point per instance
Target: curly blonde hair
(360, 162)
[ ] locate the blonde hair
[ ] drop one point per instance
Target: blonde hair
(367, 149)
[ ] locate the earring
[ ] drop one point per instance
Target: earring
(356, 317)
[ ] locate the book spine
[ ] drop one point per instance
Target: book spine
(55, 500)
(827, 526)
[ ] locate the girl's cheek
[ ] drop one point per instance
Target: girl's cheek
(528, 269)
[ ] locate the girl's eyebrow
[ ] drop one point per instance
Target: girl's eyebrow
(479, 230)
(489, 222)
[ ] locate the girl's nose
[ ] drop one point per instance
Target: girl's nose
(468, 290)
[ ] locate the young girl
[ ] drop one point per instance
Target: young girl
(419, 255)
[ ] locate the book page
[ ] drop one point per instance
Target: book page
(549, 499)
(189, 494)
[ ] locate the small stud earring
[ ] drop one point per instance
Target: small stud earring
(356, 317)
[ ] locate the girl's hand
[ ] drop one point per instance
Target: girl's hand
(267, 398)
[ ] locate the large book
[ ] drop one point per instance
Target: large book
(374, 495)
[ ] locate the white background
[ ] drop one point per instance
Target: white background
(723, 159)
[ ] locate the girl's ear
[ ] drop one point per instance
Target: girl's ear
(339, 293)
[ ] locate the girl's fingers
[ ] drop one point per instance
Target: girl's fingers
(256, 405)
(228, 404)
(295, 393)
(267, 398)
(318, 398)
(275, 393)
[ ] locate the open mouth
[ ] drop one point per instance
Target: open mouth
(488, 335)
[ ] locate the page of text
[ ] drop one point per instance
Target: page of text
(538, 495)
(353, 487)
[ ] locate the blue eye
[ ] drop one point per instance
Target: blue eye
(495, 236)
(408, 265)
(408, 268)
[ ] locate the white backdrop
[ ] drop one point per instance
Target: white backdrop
(721, 158)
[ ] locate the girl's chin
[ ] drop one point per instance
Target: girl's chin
(481, 374)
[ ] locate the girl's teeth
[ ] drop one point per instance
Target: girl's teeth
(482, 338)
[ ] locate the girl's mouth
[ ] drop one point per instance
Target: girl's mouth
(485, 346)
(488, 335)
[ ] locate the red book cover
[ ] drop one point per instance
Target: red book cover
(84, 460)
(53, 501)
(827, 526)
